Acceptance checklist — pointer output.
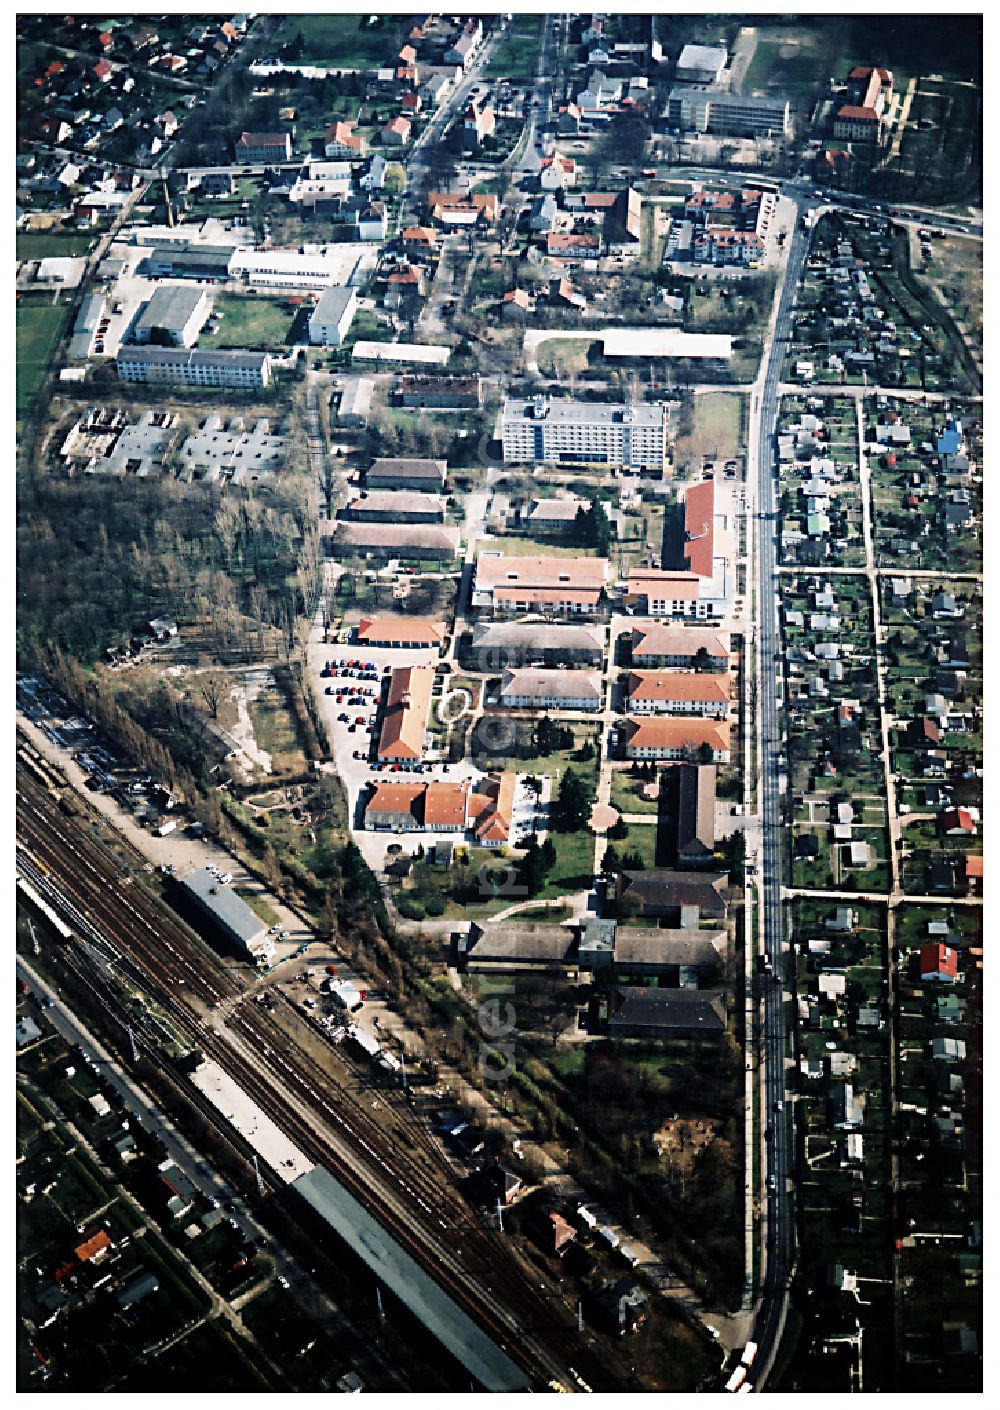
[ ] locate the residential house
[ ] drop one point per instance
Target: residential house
(396, 133)
(690, 812)
(678, 693)
(544, 214)
(406, 473)
(446, 393)
(395, 507)
(562, 294)
(557, 172)
(515, 306)
(374, 178)
(512, 584)
(938, 964)
(404, 287)
(422, 542)
(497, 646)
(340, 140)
(478, 125)
(657, 644)
(512, 947)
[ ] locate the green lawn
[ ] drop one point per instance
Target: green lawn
(765, 56)
(39, 329)
(251, 323)
(642, 839)
(718, 423)
(625, 798)
(574, 868)
(47, 244)
(344, 41)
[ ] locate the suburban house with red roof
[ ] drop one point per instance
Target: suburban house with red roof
(938, 964)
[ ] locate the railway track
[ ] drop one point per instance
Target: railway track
(400, 1175)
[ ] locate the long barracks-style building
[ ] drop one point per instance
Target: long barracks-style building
(195, 367)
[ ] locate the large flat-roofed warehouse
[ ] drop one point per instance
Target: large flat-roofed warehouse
(229, 913)
(405, 1279)
(174, 315)
(701, 63)
(584, 433)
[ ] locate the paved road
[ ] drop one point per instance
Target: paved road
(779, 1243)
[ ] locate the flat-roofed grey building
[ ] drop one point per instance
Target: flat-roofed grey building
(331, 319)
(545, 430)
(194, 367)
(176, 312)
(722, 114)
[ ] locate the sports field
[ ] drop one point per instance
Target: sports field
(39, 328)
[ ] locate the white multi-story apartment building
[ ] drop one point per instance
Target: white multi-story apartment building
(585, 433)
(194, 367)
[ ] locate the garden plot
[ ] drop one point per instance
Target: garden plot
(820, 498)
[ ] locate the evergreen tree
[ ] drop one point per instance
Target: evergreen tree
(531, 872)
(612, 862)
(548, 854)
(572, 808)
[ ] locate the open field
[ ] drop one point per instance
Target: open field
(48, 244)
(40, 326)
(957, 275)
(343, 41)
(564, 357)
(517, 56)
(716, 422)
(250, 323)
